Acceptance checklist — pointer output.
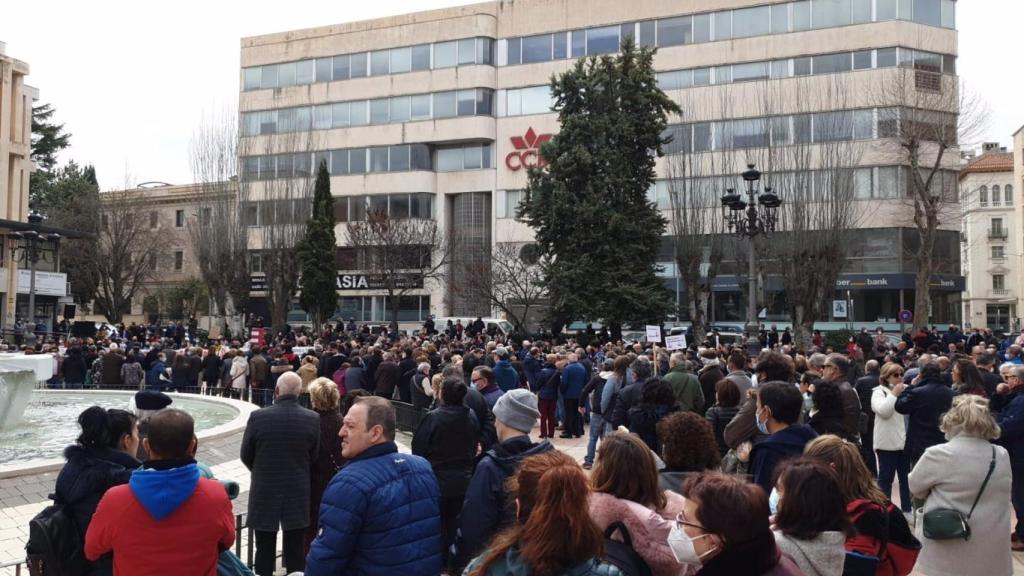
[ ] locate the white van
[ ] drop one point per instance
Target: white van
(502, 326)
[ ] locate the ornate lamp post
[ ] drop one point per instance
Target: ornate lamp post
(758, 214)
(31, 252)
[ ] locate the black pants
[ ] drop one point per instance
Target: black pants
(451, 507)
(867, 451)
(573, 423)
(266, 551)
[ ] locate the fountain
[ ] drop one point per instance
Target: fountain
(15, 391)
(19, 374)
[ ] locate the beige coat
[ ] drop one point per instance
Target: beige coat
(950, 475)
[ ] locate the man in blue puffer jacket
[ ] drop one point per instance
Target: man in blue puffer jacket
(380, 514)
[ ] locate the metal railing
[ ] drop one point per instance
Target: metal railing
(998, 233)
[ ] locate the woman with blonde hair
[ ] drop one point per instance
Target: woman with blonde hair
(890, 433)
(552, 534)
(972, 476)
(626, 489)
(880, 528)
(325, 399)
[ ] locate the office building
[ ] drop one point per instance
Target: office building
(436, 114)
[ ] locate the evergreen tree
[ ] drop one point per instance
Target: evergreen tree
(318, 278)
(48, 138)
(596, 231)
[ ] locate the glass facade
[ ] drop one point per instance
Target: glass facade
(470, 218)
(472, 102)
(723, 25)
(468, 51)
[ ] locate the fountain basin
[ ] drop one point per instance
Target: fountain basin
(50, 424)
(15, 391)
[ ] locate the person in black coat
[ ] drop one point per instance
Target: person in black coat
(101, 458)
(827, 415)
(74, 368)
(864, 387)
(386, 377)
(447, 438)
(279, 446)
(925, 402)
(326, 402)
(211, 368)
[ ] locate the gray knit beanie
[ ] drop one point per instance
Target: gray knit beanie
(517, 409)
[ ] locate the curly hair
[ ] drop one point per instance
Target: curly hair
(828, 399)
(687, 442)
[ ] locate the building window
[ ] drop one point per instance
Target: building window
(996, 195)
(998, 252)
(508, 203)
(154, 218)
(179, 260)
(255, 263)
(1008, 194)
(179, 218)
(998, 282)
(104, 221)
(996, 230)
(983, 196)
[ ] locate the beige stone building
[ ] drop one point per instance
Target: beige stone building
(990, 241)
(16, 166)
(435, 114)
(166, 211)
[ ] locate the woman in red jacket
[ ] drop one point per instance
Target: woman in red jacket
(881, 535)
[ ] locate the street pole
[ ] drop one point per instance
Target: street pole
(30, 326)
(753, 343)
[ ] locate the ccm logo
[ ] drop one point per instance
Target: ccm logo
(527, 151)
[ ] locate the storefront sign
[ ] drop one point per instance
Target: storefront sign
(47, 283)
(526, 153)
(855, 282)
(347, 282)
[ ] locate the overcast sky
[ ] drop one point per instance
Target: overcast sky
(131, 81)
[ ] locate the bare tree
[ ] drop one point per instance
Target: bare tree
(696, 225)
(399, 254)
(125, 254)
(277, 203)
(813, 160)
(510, 280)
(925, 116)
(218, 234)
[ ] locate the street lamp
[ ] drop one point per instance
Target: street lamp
(31, 253)
(758, 214)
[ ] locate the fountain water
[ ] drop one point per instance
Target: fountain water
(15, 391)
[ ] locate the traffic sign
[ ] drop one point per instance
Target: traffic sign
(906, 316)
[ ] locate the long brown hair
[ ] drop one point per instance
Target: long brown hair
(855, 480)
(625, 468)
(554, 531)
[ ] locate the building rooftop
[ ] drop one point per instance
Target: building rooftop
(989, 162)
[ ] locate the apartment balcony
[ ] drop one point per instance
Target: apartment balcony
(998, 233)
(1000, 293)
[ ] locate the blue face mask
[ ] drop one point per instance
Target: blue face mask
(473, 385)
(773, 501)
(762, 426)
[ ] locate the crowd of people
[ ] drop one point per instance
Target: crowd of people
(701, 461)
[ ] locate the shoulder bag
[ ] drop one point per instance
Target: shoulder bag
(949, 524)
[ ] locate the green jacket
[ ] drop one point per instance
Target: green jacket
(686, 387)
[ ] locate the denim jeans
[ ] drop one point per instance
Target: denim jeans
(894, 463)
(1017, 498)
(596, 432)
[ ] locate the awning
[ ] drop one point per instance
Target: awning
(14, 225)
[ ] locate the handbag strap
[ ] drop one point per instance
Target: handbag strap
(991, 467)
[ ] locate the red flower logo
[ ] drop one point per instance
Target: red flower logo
(526, 150)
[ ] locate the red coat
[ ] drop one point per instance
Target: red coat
(186, 542)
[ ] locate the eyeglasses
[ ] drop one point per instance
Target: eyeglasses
(682, 521)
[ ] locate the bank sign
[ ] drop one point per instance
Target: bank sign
(349, 282)
(526, 151)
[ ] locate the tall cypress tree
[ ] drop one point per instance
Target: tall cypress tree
(318, 279)
(595, 229)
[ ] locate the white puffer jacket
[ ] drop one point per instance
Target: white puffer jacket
(890, 429)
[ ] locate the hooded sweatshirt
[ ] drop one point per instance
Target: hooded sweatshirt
(783, 444)
(822, 556)
(165, 518)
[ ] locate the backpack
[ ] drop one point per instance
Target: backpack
(55, 545)
(339, 379)
(621, 554)
(897, 547)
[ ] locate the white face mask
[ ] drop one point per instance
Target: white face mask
(682, 547)
(773, 501)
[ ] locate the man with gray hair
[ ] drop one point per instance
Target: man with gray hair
(685, 385)
(279, 445)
